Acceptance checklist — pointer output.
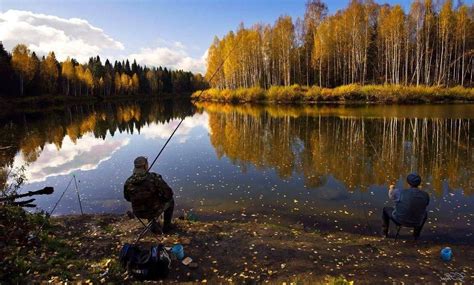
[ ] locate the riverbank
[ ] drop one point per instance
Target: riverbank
(382, 94)
(240, 250)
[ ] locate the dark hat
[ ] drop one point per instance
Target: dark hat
(140, 163)
(414, 180)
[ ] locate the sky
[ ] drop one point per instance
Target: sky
(172, 33)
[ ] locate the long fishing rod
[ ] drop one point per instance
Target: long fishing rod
(180, 122)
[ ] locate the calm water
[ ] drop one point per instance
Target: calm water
(326, 167)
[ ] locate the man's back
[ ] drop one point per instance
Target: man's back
(148, 193)
(410, 208)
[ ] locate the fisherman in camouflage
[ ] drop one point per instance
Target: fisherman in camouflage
(149, 194)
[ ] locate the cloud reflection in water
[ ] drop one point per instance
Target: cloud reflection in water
(163, 131)
(85, 154)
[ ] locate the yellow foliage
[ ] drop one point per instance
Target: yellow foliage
(351, 92)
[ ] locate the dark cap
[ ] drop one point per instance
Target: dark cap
(414, 180)
(140, 162)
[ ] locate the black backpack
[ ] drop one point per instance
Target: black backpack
(145, 263)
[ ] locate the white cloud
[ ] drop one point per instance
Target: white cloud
(44, 33)
(172, 55)
(78, 39)
(85, 154)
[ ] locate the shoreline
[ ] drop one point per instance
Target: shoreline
(243, 250)
(346, 94)
(40, 103)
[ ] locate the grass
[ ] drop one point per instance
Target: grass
(346, 93)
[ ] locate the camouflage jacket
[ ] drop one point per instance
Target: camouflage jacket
(148, 193)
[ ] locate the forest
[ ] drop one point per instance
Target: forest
(23, 74)
(432, 44)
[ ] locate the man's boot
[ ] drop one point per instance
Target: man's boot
(168, 227)
(168, 216)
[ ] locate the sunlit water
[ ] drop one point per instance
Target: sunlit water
(326, 167)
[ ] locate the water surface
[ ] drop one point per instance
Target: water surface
(327, 167)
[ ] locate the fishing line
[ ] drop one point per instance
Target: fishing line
(180, 122)
(360, 192)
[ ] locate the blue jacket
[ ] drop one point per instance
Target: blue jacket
(410, 205)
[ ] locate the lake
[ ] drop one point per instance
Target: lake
(326, 167)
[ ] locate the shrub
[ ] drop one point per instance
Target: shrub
(254, 94)
(291, 93)
(314, 93)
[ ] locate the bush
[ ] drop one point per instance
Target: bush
(287, 94)
(254, 94)
(314, 93)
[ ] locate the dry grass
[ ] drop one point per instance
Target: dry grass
(345, 93)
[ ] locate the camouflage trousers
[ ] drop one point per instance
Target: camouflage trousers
(167, 211)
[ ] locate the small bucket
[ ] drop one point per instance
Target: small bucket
(178, 251)
(446, 254)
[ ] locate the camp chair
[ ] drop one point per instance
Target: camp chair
(146, 227)
(415, 228)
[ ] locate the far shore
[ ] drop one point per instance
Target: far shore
(47, 102)
(353, 93)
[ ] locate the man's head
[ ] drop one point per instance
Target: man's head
(414, 180)
(141, 165)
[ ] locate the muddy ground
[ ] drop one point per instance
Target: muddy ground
(243, 250)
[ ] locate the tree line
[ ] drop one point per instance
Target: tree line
(363, 43)
(23, 73)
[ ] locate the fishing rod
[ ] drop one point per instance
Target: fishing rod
(64, 192)
(181, 121)
(77, 192)
(52, 211)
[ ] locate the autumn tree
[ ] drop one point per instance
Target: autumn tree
(49, 73)
(125, 83)
(67, 71)
(23, 64)
(117, 83)
(88, 80)
(316, 12)
(135, 82)
(79, 77)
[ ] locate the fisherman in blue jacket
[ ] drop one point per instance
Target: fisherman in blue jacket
(410, 206)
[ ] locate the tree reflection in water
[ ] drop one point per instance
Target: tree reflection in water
(28, 133)
(358, 146)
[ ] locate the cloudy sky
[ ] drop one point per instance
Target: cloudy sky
(173, 33)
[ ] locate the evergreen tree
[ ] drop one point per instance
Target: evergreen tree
(6, 72)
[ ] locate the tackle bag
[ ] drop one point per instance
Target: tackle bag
(145, 263)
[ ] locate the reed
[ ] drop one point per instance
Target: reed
(346, 93)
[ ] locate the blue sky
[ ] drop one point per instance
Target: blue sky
(146, 27)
